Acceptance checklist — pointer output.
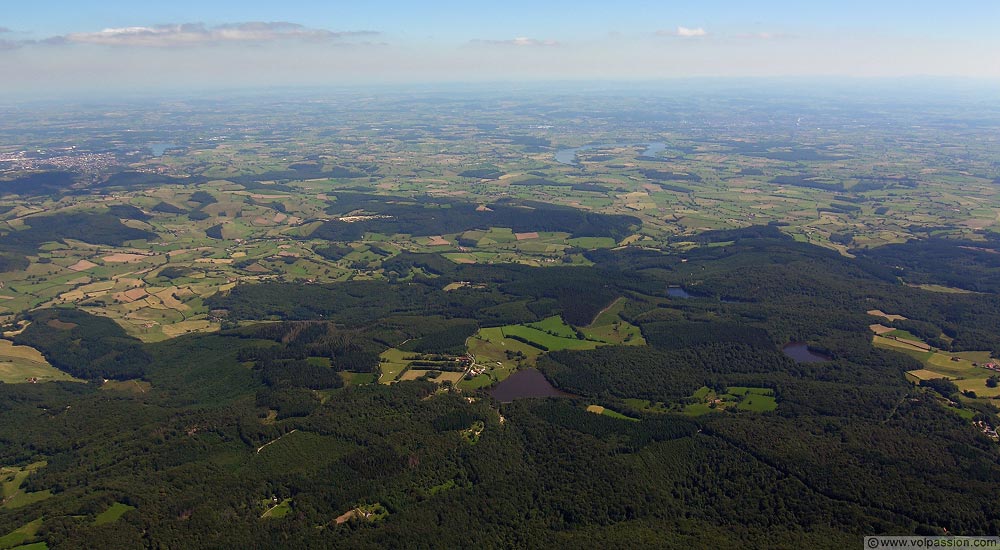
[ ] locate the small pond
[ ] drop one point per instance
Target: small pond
(525, 383)
(802, 354)
(678, 292)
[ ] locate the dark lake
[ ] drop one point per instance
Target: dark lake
(525, 383)
(802, 354)
(677, 292)
(568, 156)
(161, 147)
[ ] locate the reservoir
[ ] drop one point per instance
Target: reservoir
(568, 156)
(677, 292)
(161, 147)
(802, 354)
(523, 384)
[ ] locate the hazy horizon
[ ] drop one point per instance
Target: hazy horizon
(59, 48)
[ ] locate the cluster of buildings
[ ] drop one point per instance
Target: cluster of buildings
(65, 160)
(990, 431)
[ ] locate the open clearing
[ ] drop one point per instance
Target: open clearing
(21, 364)
(740, 397)
(597, 409)
(546, 341)
(880, 329)
(962, 368)
(129, 386)
(22, 534)
(609, 327)
(124, 258)
(924, 374)
(12, 477)
(279, 510)
(112, 514)
(889, 316)
(82, 265)
(414, 374)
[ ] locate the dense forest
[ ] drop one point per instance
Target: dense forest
(263, 416)
(426, 216)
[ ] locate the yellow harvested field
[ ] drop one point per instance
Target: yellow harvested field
(437, 240)
(102, 286)
(72, 296)
(889, 316)
(184, 327)
(25, 364)
(919, 345)
(267, 197)
(346, 516)
(223, 261)
(9, 350)
(131, 295)
(526, 236)
(125, 258)
(880, 329)
(167, 297)
(898, 343)
(461, 258)
(596, 409)
(979, 386)
(82, 265)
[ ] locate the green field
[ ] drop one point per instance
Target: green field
(20, 364)
(592, 242)
(112, 514)
(609, 327)
(739, 397)
(604, 411)
(758, 403)
(392, 363)
(553, 343)
(556, 326)
(358, 378)
(957, 367)
(12, 477)
(279, 510)
(20, 535)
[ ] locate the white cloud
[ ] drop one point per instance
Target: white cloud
(193, 34)
(684, 32)
(521, 41)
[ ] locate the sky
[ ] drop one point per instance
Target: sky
(68, 46)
